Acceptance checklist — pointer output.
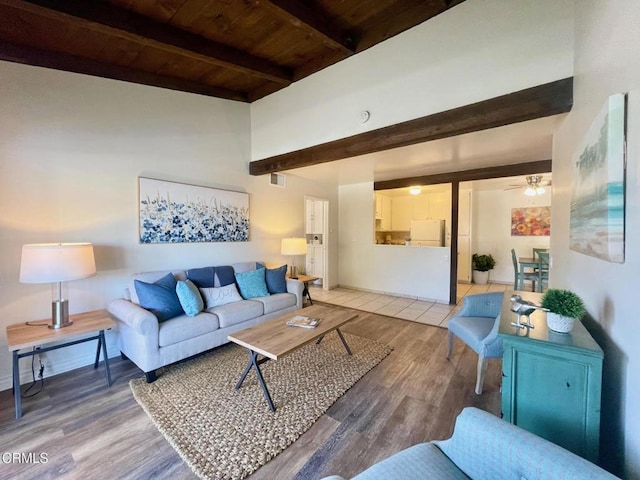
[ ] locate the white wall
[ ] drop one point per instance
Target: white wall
(480, 49)
(492, 228)
(71, 150)
(606, 62)
(411, 271)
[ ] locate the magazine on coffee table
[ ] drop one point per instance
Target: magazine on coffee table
(303, 322)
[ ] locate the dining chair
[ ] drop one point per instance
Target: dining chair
(532, 276)
(543, 270)
(536, 251)
(476, 324)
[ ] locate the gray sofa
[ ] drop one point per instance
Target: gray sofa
(484, 447)
(152, 344)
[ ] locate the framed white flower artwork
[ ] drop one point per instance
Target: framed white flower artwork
(171, 212)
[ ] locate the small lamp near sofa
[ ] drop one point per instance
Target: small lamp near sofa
(57, 263)
(294, 246)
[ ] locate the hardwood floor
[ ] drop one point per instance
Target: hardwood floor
(90, 431)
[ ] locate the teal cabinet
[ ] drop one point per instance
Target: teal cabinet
(552, 382)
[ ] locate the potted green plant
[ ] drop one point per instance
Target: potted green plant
(565, 307)
(481, 265)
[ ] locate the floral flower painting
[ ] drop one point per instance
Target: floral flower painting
(531, 221)
(179, 213)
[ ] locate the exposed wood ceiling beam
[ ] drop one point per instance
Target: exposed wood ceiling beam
(500, 171)
(398, 18)
(314, 20)
(70, 63)
(536, 102)
(111, 20)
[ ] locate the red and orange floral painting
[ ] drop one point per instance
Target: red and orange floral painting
(531, 221)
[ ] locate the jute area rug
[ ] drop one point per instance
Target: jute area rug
(223, 433)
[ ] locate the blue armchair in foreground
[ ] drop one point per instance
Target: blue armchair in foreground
(476, 324)
(484, 447)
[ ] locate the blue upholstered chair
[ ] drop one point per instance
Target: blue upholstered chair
(476, 324)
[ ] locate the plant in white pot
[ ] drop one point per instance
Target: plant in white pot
(481, 265)
(565, 307)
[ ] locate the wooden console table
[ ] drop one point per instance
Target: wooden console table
(23, 335)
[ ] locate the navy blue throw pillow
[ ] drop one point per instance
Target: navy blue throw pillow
(160, 297)
(276, 279)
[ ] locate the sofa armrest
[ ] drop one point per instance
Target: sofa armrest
(296, 287)
(134, 316)
(485, 446)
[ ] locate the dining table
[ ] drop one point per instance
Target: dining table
(523, 263)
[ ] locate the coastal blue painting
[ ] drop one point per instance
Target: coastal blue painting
(597, 201)
(179, 213)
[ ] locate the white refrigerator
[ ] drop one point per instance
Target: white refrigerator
(427, 233)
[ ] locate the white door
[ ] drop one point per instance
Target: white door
(464, 236)
(464, 259)
(314, 212)
(317, 230)
(315, 261)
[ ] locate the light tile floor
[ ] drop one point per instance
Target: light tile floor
(431, 313)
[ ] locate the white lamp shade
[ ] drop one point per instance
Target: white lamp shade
(294, 246)
(56, 262)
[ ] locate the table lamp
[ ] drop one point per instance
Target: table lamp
(57, 263)
(294, 246)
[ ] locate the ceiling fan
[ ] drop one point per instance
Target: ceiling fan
(534, 186)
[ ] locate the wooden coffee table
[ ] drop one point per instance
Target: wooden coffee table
(273, 339)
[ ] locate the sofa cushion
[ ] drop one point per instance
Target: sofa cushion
(225, 276)
(189, 297)
(203, 277)
(237, 312)
(252, 283)
(207, 277)
(419, 462)
(245, 266)
(183, 328)
(216, 296)
(277, 301)
(276, 279)
(160, 297)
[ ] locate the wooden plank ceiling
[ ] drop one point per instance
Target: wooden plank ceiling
(235, 49)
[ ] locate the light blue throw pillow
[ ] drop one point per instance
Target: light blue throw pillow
(189, 297)
(252, 284)
(160, 297)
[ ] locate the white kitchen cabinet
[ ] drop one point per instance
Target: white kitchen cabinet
(421, 207)
(314, 216)
(401, 213)
(315, 260)
(385, 219)
(383, 212)
(440, 205)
